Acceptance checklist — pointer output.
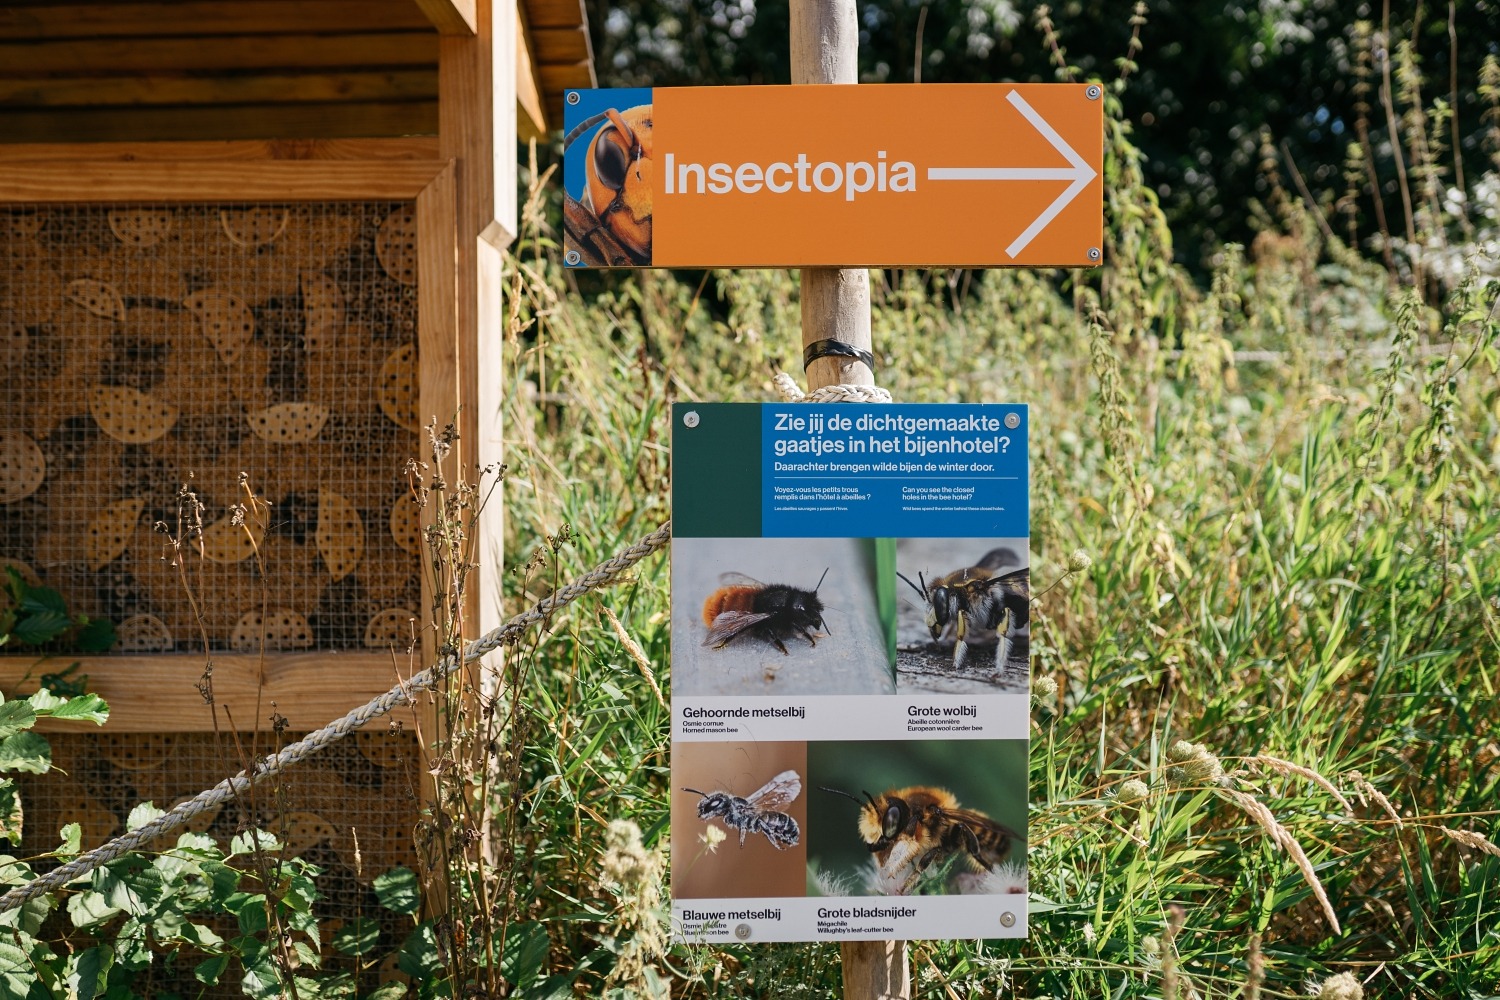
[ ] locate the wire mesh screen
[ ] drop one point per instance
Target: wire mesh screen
(264, 355)
(350, 810)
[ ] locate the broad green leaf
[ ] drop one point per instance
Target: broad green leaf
(17, 977)
(40, 627)
(358, 937)
(253, 840)
(11, 814)
(37, 600)
(553, 988)
(143, 814)
(419, 954)
(198, 843)
(388, 991)
(27, 752)
(44, 700)
(261, 977)
(398, 890)
(92, 970)
(135, 890)
(83, 708)
(86, 909)
(251, 912)
(72, 840)
(15, 716)
(96, 636)
(525, 955)
(203, 936)
(209, 970)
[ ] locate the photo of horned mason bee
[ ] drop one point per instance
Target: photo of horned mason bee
(982, 608)
(932, 817)
(780, 616)
(743, 606)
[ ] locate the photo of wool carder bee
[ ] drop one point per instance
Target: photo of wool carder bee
(609, 183)
(964, 615)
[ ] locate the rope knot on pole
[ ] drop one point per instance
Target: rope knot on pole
(791, 392)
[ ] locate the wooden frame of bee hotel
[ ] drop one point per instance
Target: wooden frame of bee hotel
(247, 252)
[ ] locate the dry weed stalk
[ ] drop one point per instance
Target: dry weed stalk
(1472, 838)
(1369, 793)
(1267, 821)
(1286, 767)
(637, 654)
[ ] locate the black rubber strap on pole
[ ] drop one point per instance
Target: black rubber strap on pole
(836, 349)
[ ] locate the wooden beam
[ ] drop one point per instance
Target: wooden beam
(450, 17)
(531, 120)
(276, 181)
(557, 77)
(135, 90)
(205, 17)
(561, 45)
(154, 694)
(410, 148)
(270, 121)
(555, 13)
(157, 56)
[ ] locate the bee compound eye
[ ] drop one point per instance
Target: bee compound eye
(892, 823)
(941, 599)
(611, 160)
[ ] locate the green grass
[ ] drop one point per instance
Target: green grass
(1292, 559)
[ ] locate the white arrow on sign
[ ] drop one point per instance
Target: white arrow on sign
(1080, 173)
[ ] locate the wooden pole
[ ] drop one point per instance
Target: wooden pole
(836, 306)
(835, 302)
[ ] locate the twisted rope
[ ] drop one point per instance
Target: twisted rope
(791, 392)
(403, 694)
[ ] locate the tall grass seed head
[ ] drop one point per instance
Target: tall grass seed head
(1044, 688)
(1079, 561)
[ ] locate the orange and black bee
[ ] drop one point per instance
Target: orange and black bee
(921, 829)
(978, 598)
(771, 612)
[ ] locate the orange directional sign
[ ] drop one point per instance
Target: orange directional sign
(976, 175)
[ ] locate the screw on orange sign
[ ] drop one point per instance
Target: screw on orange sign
(977, 175)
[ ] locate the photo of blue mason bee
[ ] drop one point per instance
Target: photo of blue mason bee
(759, 812)
(727, 793)
(772, 613)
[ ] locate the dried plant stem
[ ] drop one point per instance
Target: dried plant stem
(1267, 821)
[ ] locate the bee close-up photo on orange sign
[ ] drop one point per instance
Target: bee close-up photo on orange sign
(970, 175)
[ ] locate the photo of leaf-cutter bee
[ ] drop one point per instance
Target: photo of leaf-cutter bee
(922, 840)
(978, 599)
(772, 613)
(608, 222)
(759, 812)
